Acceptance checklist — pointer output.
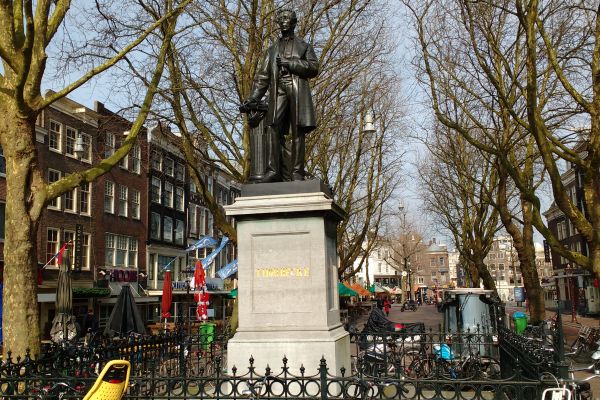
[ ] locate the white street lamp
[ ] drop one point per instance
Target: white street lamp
(369, 126)
(79, 149)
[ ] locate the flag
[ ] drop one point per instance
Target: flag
(169, 264)
(211, 257)
(61, 252)
(228, 270)
(203, 242)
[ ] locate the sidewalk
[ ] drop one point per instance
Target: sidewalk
(593, 322)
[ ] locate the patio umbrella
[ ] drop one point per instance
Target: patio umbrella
(345, 291)
(63, 324)
(167, 297)
(125, 317)
(360, 290)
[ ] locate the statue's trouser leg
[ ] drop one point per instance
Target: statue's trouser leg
(285, 114)
(298, 150)
(273, 170)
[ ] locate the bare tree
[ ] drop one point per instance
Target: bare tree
(457, 184)
(211, 71)
(509, 90)
(405, 244)
(28, 31)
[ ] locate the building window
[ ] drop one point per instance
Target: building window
(121, 251)
(168, 195)
(136, 159)
(155, 190)
(210, 224)
(53, 176)
(70, 138)
(52, 245)
(192, 219)
(155, 160)
(2, 219)
(202, 222)
(109, 145)
(69, 236)
(169, 167)
(442, 261)
(163, 261)
(84, 198)
(432, 262)
(179, 172)
(179, 231)
(135, 204)
(87, 147)
(109, 251)
(420, 280)
(109, 197)
(155, 226)
(179, 198)
(133, 253)
(123, 197)
(55, 136)
(192, 187)
(168, 229)
(70, 203)
(124, 162)
(2, 162)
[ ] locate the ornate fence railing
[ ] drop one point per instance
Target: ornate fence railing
(405, 365)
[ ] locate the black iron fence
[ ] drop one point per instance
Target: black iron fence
(417, 353)
(414, 364)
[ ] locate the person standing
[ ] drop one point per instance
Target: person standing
(90, 322)
(387, 305)
(286, 68)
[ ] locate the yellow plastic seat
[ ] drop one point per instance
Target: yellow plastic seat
(112, 382)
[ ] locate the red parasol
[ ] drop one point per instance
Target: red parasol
(167, 296)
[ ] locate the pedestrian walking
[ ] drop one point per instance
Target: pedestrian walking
(387, 305)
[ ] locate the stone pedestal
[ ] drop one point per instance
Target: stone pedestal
(287, 270)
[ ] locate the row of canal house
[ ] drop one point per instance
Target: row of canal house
(571, 286)
(130, 223)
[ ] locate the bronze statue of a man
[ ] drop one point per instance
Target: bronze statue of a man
(285, 70)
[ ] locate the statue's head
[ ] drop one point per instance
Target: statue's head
(286, 19)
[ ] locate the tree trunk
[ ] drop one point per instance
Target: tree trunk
(21, 327)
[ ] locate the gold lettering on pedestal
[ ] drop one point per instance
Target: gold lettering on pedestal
(283, 272)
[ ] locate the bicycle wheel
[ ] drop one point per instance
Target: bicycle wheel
(416, 365)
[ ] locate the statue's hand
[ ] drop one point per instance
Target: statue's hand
(248, 106)
(283, 62)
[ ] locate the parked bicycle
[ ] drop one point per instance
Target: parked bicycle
(410, 306)
(258, 388)
(58, 391)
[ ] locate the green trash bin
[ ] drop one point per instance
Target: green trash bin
(207, 334)
(520, 319)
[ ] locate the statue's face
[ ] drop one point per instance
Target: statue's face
(286, 21)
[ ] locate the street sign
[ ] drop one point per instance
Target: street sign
(519, 294)
(78, 247)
